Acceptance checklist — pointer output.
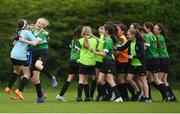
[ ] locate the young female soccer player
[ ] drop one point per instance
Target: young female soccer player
(135, 47)
(19, 57)
(108, 64)
(40, 55)
(86, 61)
(160, 34)
(152, 59)
(99, 60)
(73, 65)
(122, 62)
(134, 26)
(38, 30)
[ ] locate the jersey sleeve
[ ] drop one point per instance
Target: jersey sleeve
(30, 36)
(106, 47)
(79, 44)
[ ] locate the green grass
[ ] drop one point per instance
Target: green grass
(52, 105)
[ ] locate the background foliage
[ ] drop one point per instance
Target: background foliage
(66, 15)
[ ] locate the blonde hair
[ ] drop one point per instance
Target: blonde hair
(86, 31)
(44, 20)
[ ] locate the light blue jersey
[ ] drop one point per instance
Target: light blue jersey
(19, 50)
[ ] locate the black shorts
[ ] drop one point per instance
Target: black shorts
(98, 65)
(164, 65)
(122, 67)
(41, 54)
(137, 70)
(19, 62)
(73, 67)
(86, 70)
(108, 67)
(152, 65)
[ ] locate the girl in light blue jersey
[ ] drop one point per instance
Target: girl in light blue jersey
(19, 57)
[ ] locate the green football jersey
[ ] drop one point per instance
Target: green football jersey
(74, 52)
(151, 51)
(163, 48)
(42, 34)
(108, 48)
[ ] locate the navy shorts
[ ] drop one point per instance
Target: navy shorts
(137, 70)
(41, 54)
(86, 70)
(73, 67)
(122, 67)
(164, 65)
(108, 67)
(98, 65)
(19, 62)
(152, 65)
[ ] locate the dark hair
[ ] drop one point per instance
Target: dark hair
(136, 33)
(111, 27)
(110, 30)
(77, 33)
(136, 25)
(141, 29)
(21, 24)
(123, 28)
(149, 25)
(162, 29)
(163, 32)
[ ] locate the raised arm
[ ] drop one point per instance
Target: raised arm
(32, 43)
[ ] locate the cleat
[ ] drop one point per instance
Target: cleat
(19, 94)
(8, 90)
(40, 100)
(139, 94)
(60, 98)
(53, 81)
(113, 96)
(117, 100)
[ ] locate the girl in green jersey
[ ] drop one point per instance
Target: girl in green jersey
(160, 34)
(152, 60)
(108, 64)
(73, 65)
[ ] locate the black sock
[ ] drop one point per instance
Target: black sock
(116, 91)
(23, 83)
(122, 87)
(108, 88)
(162, 90)
(104, 90)
(64, 88)
(47, 73)
(99, 90)
(149, 86)
(93, 87)
(38, 90)
(86, 90)
(166, 91)
(80, 88)
(12, 80)
(170, 90)
(131, 90)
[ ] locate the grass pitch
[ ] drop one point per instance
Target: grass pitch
(51, 105)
